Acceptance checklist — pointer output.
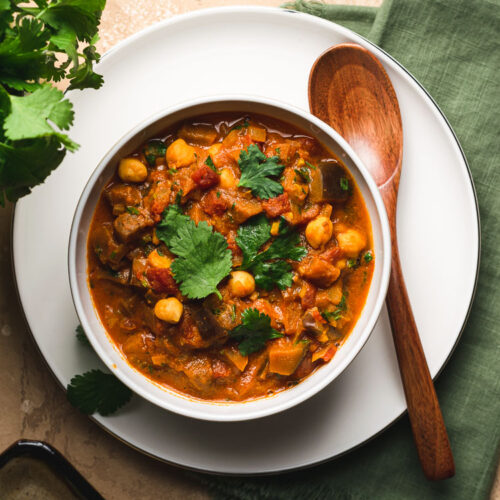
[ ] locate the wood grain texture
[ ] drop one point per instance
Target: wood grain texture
(350, 90)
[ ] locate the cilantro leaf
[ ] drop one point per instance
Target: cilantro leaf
(337, 313)
(173, 218)
(269, 267)
(210, 163)
(203, 257)
(81, 336)
(285, 247)
(133, 210)
(29, 116)
(96, 391)
(155, 148)
(27, 164)
(352, 263)
(303, 174)
(251, 236)
(240, 126)
(267, 275)
(254, 331)
(256, 170)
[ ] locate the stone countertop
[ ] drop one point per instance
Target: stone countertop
(33, 404)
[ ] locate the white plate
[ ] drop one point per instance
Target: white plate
(267, 52)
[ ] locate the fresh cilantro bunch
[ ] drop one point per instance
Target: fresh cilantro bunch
(269, 267)
(41, 43)
(257, 170)
(254, 331)
(203, 258)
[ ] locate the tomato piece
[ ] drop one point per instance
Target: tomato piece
(162, 281)
(278, 205)
(205, 177)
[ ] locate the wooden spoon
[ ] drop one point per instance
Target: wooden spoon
(350, 90)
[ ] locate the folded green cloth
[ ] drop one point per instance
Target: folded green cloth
(453, 48)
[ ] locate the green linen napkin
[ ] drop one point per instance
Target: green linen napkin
(453, 48)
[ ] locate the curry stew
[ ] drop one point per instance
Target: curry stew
(231, 257)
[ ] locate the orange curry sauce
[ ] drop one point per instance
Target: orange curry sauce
(128, 266)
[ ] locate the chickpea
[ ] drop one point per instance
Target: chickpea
(132, 170)
(159, 261)
(241, 283)
(319, 231)
(180, 154)
(169, 310)
(227, 179)
(351, 242)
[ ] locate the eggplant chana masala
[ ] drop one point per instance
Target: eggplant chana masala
(231, 258)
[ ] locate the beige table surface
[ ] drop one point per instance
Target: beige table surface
(33, 406)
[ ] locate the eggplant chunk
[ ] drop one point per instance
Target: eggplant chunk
(312, 325)
(329, 183)
(205, 320)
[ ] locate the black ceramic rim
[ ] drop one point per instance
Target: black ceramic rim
(44, 452)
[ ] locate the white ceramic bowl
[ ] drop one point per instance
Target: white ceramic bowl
(170, 399)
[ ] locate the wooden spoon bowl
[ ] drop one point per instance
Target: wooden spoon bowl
(350, 90)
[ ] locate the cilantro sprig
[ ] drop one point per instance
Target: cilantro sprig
(269, 267)
(41, 43)
(203, 257)
(155, 148)
(257, 170)
(253, 332)
(338, 312)
(96, 391)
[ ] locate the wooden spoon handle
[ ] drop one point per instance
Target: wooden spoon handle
(426, 420)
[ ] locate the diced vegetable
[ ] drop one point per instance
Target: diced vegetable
(198, 134)
(238, 360)
(159, 359)
(325, 353)
(285, 356)
(328, 182)
(257, 134)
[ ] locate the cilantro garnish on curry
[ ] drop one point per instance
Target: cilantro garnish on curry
(230, 258)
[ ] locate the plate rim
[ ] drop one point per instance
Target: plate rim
(179, 18)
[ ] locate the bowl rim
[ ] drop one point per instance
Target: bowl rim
(194, 406)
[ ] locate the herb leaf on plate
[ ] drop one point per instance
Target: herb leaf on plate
(257, 171)
(82, 336)
(96, 391)
(253, 332)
